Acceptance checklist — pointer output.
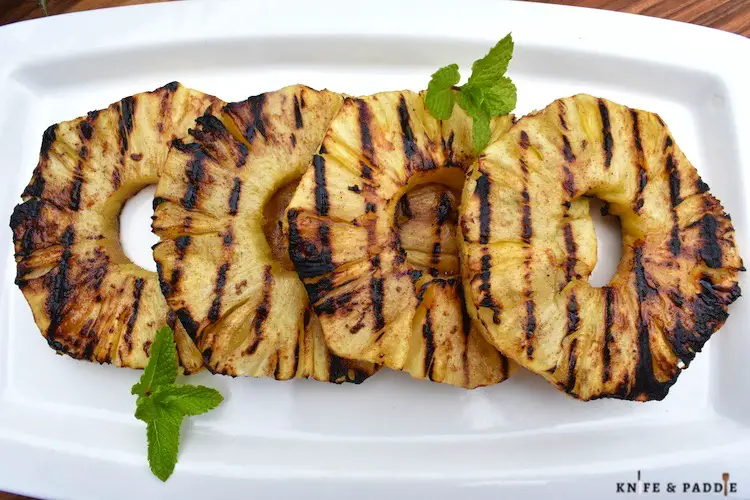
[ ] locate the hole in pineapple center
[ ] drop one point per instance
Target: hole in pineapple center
(273, 214)
(609, 244)
(426, 218)
(136, 237)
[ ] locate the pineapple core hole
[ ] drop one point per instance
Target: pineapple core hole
(136, 237)
(426, 219)
(609, 244)
(273, 215)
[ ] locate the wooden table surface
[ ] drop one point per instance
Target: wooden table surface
(729, 15)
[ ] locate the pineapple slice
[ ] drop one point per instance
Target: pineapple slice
(222, 258)
(529, 246)
(372, 233)
(89, 300)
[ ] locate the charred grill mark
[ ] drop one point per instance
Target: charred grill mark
(674, 181)
(410, 146)
(262, 311)
(567, 151)
(158, 200)
(642, 175)
(429, 344)
(125, 122)
(524, 143)
(338, 371)
(23, 223)
(645, 383)
(405, 207)
(667, 144)
(164, 285)
(572, 360)
(182, 243)
(450, 153)
(607, 143)
(700, 186)
(488, 300)
(561, 114)
(234, 196)
(293, 140)
(573, 318)
(116, 179)
(36, 186)
(137, 291)
(228, 238)
(445, 209)
(376, 294)
(709, 307)
(526, 230)
(571, 247)
(221, 280)
(354, 189)
(333, 304)
(60, 289)
(195, 174)
(321, 191)
(370, 207)
(48, 138)
(710, 250)
(297, 114)
(319, 289)
(609, 319)
(365, 119)
(568, 182)
(366, 171)
(308, 260)
(435, 257)
(86, 130)
(482, 191)
(674, 196)
(257, 124)
(75, 191)
(530, 325)
(190, 325)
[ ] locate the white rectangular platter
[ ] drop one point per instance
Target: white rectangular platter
(67, 428)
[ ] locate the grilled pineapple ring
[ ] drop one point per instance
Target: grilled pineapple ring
(529, 247)
(89, 300)
(370, 233)
(222, 258)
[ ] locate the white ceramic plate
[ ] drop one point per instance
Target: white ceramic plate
(66, 427)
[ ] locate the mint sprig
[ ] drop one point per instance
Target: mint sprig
(162, 404)
(487, 93)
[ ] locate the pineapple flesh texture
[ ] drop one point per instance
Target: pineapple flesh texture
(88, 299)
(529, 246)
(372, 230)
(222, 256)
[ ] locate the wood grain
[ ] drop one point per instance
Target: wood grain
(729, 15)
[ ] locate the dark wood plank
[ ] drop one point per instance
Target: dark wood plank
(728, 15)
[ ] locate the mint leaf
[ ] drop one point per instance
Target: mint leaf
(188, 399)
(440, 95)
(146, 409)
(486, 71)
(162, 364)
(163, 405)
(481, 131)
(500, 99)
(163, 436)
(470, 100)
